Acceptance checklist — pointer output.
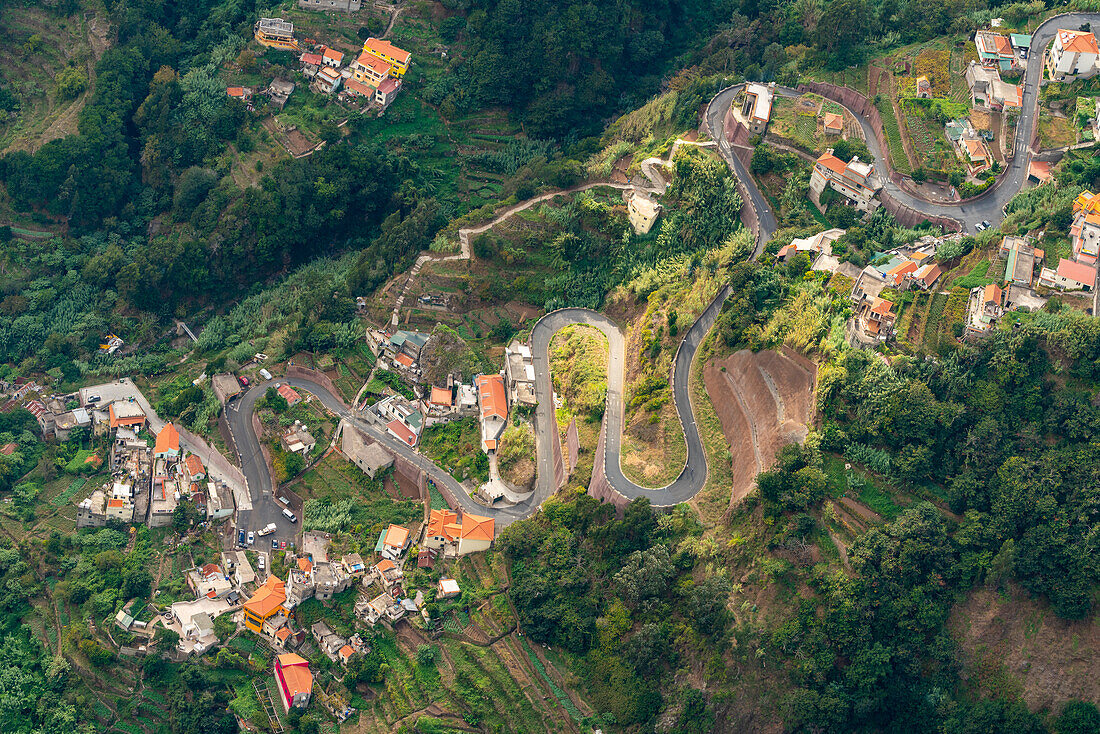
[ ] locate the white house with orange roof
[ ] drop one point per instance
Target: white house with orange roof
(392, 542)
(1072, 55)
(332, 57)
(457, 537)
(492, 400)
(985, 306)
(974, 154)
(1070, 276)
(855, 180)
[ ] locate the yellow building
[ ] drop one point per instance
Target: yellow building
(266, 602)
(276, 33)
(397, 58)
(370, 69)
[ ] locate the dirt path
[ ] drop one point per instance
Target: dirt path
(864, 512)
(841, 549)
(750, 418)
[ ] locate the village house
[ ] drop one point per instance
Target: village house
(327, 81)
(875, 319)
(328, 641)
(168, 443)
(988, 91)
(339, 6)
(813, 246)
(410, 343)
(386, 92)
(1072, 55)
(242, 93)
(370, 70)
(447, 589)
(332, 57)
(387, 573)
(995, 50)
(392, 542)
(455, 537)
(984, 308)
(493, 403)
(237, 563)
(402, 417)
(1070, 276)
(641, 209)
(297, 439)
(855, 180)
(126, 413)
(358, 88)
(1021, 44)
(1085, 229)
(279, 91)
(289, 394)
(193, 469)
(220, 502)
(974, 154)
(757, 107)
(366, 454)
(381, 607)
(293, 679)
(439, 404)
(519, 374)
(275, 33)
(925, 276)
(832, 123)
(397, 59)
(1021, 258)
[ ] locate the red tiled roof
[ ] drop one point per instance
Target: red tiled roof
(475, 527)
(494, 401)
(267, 598)
(333, 54)
(396, 536)
(438, 522)
(404, 360)
(314, 59)
(194, 465)
(375, 64)
(235, 91)
(290, 394)
(402, 432)
(440, 396)
(388, 86)
(833, 121)
(992, 294)
(1078, 41)
(834, 164)
(357, 87)
(1077, 272)
(9, 449)
(386, 565)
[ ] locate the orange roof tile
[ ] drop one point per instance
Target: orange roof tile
(235, 91)
(1077, 272)
(373, 63)
(194, 465)
(833, 121)
(402, 432)
(267, 599)
(331, 53)
(385, 48)
(992, 294)
(438, 521)
(494, 401)
(305, 565)
(116, 503)
(167, 440)
(357, 87)
(296, 676)
(475, 527)
(347, 651)
(386, 565)
(440, 396)
(834, 164)
(404, 360)
(882, 307)
(283, 633)
(396, 536)
(1077, 41)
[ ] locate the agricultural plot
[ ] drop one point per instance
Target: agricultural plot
(898, 160)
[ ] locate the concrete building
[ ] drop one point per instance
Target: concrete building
(219, 501)
(363, 452)
(995, 50)
(984, 308)
(275, 33)
(1021, 258)
(327, 81)
(226, 387)
(1085, 229)
(519, 374)
(1070, 276)
(298, 439)
(757, 107)
(642, 210)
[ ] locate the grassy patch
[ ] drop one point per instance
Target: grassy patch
(898, 159)
(456, 446)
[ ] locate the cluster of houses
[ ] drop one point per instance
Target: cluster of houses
(372, 79)
(487, 397)
(906, 268)
(148, 484)
(269, 611)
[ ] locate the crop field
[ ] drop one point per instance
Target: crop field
(898, 160)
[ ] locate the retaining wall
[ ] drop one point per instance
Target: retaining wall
(599, 487)
(305, 373)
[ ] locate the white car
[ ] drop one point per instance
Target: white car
(251, 538)
(260, 562)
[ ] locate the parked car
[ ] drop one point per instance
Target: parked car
(290, 516)
(265, 374)
(274, 544)
(251, 538)
(240, 537)
(282, 545)
(260, 562)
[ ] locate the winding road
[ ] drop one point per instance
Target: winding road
(988, 206)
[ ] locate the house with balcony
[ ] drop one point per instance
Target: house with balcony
(855, 180)
(275, 33)
(1085, 229)
(1072, 55)
(1070, 276)
(994, 50)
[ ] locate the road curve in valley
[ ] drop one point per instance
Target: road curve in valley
(987, 206)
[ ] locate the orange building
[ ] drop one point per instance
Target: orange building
(266, 602)
(293, 679)
(168, 442)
